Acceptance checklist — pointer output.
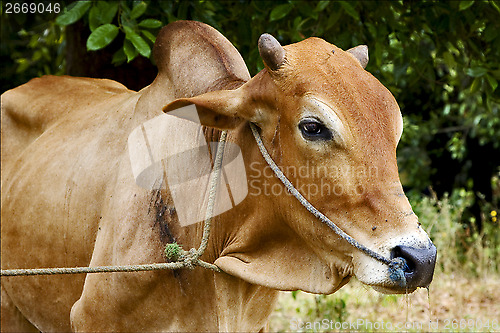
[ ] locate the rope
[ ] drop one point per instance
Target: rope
(212, 194)
(190, 259)
(396, 265)
(98, 269)
(184, 259)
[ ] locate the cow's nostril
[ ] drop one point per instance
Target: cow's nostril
(420, 264)
(398, 252)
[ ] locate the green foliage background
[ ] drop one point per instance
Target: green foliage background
(439, 59)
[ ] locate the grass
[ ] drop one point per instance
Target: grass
(454, 304)
(463, 296)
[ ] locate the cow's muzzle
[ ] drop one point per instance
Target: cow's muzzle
(420, 264)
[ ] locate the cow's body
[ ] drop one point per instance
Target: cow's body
(69, 199)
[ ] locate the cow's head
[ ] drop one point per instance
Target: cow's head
(333, 128)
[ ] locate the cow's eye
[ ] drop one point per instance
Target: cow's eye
(312, 129)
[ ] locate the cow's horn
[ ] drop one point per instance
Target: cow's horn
(271, 51)
(360, 52)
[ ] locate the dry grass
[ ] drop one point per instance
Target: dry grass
(456, 304)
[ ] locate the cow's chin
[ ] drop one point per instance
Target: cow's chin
(377, 276)
(393, 290)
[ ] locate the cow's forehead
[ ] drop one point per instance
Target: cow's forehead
(318, 67)
(315, 68)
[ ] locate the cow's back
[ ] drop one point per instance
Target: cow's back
(28, 110)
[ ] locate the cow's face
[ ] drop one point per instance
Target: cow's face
(333, 129)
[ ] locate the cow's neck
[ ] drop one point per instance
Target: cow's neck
(240, 305)
(231, 229)
(224, 226)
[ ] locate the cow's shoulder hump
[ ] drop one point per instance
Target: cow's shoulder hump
(29, 110)
(42, 100)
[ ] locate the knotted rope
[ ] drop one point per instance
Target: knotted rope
(182, 259)
(396, 265)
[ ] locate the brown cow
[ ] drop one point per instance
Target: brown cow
(69, 197)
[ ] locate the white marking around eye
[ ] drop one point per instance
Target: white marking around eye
(315, 108)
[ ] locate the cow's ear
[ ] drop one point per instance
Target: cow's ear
(223, 109)
(360, 52)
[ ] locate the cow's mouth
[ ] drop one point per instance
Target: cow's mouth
(394, 290)
(416, 272)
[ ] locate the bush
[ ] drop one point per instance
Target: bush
(461, 247)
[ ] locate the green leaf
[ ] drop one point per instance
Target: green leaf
(150, 23)
(492, 81)
(109, 13)
(372, 30)
(494, 4)
(474, 87)
(490, 33)
(119, 57)
(449, 60)
(333, 19)
(149, 35)
(94, 19)
(446, 109)
(23, 64)
(280, 11)
(102, 12)
(322, 5)
(308, 11)
(465, 4)
(496, 74)
(476, 71)
(139, 43)
(138, 10)
(379, 48)
(73, 13)
(101, 37)
(349, 9)
(37, 55)
(399, 71)
(129, 50)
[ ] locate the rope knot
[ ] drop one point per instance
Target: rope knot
(190, 258)
(397, 268)
(175, 253)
